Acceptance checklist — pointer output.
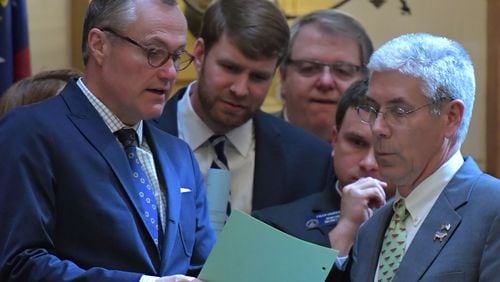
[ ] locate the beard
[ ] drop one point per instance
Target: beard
(215, 113)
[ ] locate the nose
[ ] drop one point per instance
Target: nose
(239, 87)
(379, 127)
(167, 71)
(369, 163)
(326, 81)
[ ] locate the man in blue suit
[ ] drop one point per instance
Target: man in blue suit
(73, 207)
(443, 223)
(270, 161)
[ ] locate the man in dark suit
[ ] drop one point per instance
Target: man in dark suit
(270, 162)
(443, 223)
(345, 206)
(77, 205)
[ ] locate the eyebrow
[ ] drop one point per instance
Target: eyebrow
(394, 101)
(353, 135)
(156, 42)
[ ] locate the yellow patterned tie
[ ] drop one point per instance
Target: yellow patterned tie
(393, 247)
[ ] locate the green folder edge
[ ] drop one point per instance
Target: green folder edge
(250, 250)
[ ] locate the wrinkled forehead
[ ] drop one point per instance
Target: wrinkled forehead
(389, 87)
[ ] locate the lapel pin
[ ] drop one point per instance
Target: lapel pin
(445, 226)
(442, 233)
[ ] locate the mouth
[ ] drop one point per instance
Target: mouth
(383, 154)
(323, 101)
(233, 106)
(158, 91)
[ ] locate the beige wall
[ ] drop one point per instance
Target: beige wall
(462, 20)
(49, 32)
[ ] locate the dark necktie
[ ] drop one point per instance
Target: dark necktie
(128, 138)
(220, 162)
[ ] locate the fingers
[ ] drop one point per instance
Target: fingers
(360, 198)
(367, 189)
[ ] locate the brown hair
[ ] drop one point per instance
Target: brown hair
(257, 27)
(35, 88)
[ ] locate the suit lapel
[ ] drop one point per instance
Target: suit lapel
(269, 175)
(167, 173)
(92, 127)
(425, 247)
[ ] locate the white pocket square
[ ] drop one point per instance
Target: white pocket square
(185, 190)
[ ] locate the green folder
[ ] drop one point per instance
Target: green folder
(249, 250)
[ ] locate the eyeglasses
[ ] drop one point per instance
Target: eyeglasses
(342, 70)
(156, 56)
(393, 115)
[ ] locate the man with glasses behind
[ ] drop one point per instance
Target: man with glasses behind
(443, 224)
(328, 51)
(91, 191)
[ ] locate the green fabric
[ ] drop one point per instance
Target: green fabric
(393, 247)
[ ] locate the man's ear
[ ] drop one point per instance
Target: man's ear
(98, 45)
(199, 54)
(454, 114)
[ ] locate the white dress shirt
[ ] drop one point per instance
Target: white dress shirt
(239, 150)
(423, 197)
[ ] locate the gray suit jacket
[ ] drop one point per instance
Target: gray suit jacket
(470, 204)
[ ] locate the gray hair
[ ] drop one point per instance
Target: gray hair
(115, 14)
(336, 23)
(442, 64)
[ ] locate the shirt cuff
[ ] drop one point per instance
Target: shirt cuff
(341, 263)
(147, 278)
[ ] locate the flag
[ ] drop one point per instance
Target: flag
(14, 47)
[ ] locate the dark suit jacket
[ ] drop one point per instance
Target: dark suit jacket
(295, 218)
(468, 252)
(290, 163)
(68, 210)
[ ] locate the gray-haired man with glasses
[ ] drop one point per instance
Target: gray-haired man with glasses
(328, 51)
(443, 224)
(93, 191)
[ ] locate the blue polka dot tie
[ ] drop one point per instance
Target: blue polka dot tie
(220, 162)
(128, 138)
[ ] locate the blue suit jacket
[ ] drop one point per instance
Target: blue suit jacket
(468, 252)
(68, 210)
(296, 218)
(290, 163)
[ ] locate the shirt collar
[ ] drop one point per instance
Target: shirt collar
(195, 132)
(110, 119)
(423, 197)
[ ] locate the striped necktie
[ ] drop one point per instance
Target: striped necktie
(220, 161)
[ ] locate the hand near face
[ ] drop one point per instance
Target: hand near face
(178, 278)
(358, 201)
(360, 198)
